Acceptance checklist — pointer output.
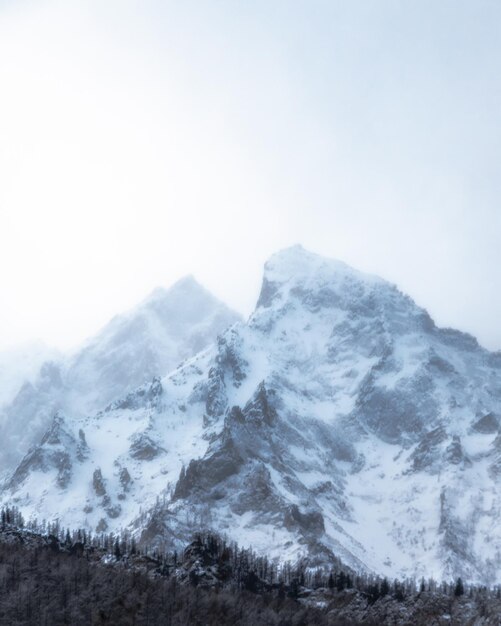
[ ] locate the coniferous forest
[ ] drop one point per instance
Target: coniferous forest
(50, 576)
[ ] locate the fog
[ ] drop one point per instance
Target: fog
(141, 141)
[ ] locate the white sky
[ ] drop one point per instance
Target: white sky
(143, 140)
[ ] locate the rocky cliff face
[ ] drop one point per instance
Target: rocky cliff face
(57, 452)
(338, 420)
(152, 339)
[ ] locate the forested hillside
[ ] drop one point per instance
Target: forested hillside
(51, 576)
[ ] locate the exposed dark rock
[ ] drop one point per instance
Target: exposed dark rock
(55, 452)
(425, 455)
(82, 447)
(440, 366)
(147, 395)
(458, 339)
(455, 454)
(230, 359)
(310, 522)
(113, 511)
(269, 291)
(216, 400)
(228, 369)
(64, 467)
(204, 474)
(144, 448)
(400, 414)
(313, 301)
(125, 479)
(257, 492)
(155, 390)
(488, 424)
(55, 433)
(455, 540)
(259, 409)
(98, 482)
(495, 466)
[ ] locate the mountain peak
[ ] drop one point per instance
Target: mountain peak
(295, 266)
(187, 282)
(296, 263)
(185, 302)
(182, 287)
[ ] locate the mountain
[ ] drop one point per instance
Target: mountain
(152, 339)
(19, 364)
(338, 420)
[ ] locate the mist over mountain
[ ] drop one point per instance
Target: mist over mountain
(20, 364)
(151, 339)
(337, 422)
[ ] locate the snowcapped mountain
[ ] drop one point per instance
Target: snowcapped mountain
(152, 339)
(338, 420)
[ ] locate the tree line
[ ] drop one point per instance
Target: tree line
(53, 575)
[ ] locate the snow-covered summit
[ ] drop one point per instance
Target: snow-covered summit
(167, 327)
(297, 265)
(184, 303)
(296, 278)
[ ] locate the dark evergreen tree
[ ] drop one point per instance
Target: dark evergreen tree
(116, 550)
(459, 588)
(384, 588)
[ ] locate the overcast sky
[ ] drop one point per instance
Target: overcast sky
(144, 140)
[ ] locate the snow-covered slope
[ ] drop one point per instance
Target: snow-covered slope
(338, 420)
(166, 328)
